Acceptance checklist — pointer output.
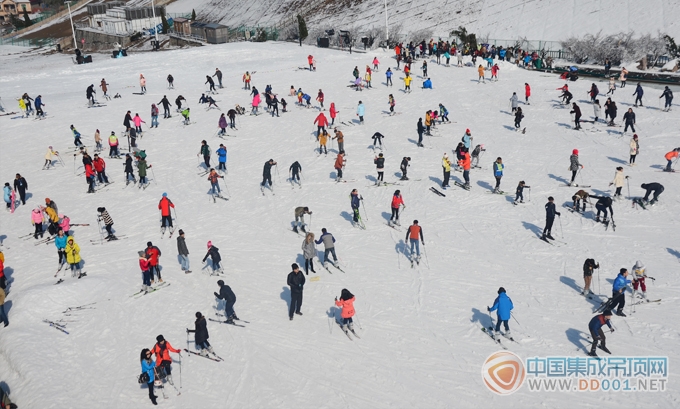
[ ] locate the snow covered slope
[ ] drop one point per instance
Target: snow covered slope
(548, 20)
(421, 344)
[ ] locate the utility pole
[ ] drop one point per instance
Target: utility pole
(387, 30)
(73, 31)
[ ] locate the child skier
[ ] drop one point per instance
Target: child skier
(346, 303)
(519, 193)
(108, 222)
(214, 254)
(503, 304)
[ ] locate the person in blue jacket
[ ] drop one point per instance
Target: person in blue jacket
(7, 195)
(388, 74)
(148, 367)
(39, 104)
(307, 99)
(498, 167)
(360, 112)
(222, 157)
(355, 202)
(503, 304)
(467, 139)
(619, 292)
(60, 243)
(595, 326)
(427, 84)
(638, 91)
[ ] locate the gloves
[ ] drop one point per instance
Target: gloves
(610, 184)
(423, 243)
(216, 295)
(612, 330)
(336, 298)
(488, 309)
(558, 213)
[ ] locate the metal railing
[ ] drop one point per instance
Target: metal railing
(35, 42)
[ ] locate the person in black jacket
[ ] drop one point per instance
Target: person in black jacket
(404, 167)
(229, 300)
(211, 82)
(166, 106)
(214, 254)
(127, 122)
(550, 213)
(377, 140)
(657, 188)
(379, 162)
(577, 115)
(295, 170)
(296, 281)
(421, 130)
(183, 252)
(518, 117)
(90, 94)
(603, 204)
(588, 266)
(267, 173)
(20, 185)
(629, 119)
(201, 335)
(129, 172)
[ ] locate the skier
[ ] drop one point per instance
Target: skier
(205, 151)
(527, 93)
(37, 216)
(574, 165)
(178, 102)
(90, 95)
(339, 165)
(201, 335)
(397, 202)
(20, 186)
(164, 206)
(668, 94)
(113, 146)
(341, 140)
(97, 141)
(594, 91)
(580, 195)
(166, 107)
(89, 176)
(149, 369)
(215, 257)
(464, 163)
(137, 120)
(480, 71)
(38, 106)
(577, 115)
(183, 252)
(388, 76)
(104, 86)
(612, 86)
(566, 97)
(232, 118)
(623, 77)
(246, 80)
(100, 167)
(619, 292)
(222, 124)
(595, 327)
(322, 122)
(379, 162)
(218, 74)
(76, 137)
(603, 204)
(444, 113)
(446, 167)
(519, 193)
(424, 68)
(421, 130)
(267, 174)
(629, 118)
(154, 116)
(319, 98)
(222, 156)
(48, 157)
(634, 149)
(428, 122)
(391, 103)
(618, 181)
(162, 351)
(414, 232)
(108, 222)
(171, 81)
(146, 274)
(657, 188)
(355, 202)
(639, 92)
(309, 252)
(407, 83)
(404, 167)
(329, 245)
(294, 170)
(129, 173)
(588, 266)
(467, 139)
(596, 110)
(360, 112)
(210, 82)
(550, 213)
(376, 63)
(503, 304)
(494, 72)
(670, 157)
(518, 118)
(310, 60)
(514, 101)
(346, 304)
(296, 281)
(300, 213)
(153, 254)
(142, 83)
(612, 113)
(60, 244)
(214, 179)
(72, 251)
(498, 168)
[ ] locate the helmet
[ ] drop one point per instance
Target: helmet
(575, 152)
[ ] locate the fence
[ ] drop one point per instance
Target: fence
(36, 42)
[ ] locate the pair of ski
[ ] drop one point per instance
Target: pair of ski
(217, 196)
(345, 181)
(141, 293)
(333, 264)
(395, 227)
(639, 202)
(80, 275)
(216, 358)
(437, 192)
(227, 322)
(163, 233)
(461, 185)
(416, 260)
(489, 331)
(556, 243)
(102, 241)
(270, 188)
(347, 331)
(60, 327)
(646, 301)
(574, 185)
(292, 184)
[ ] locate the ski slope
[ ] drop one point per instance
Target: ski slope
(421, 344)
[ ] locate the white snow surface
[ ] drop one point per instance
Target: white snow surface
(548, 20)
(421, 344)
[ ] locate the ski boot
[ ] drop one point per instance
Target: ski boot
(605, 349)
(230, 320)
(203, 352)
(344, 328)
(303, 228)
(549, 236)
(210, 349)
(592, 353)
(295, 229)
(597, 219)
(620, 313)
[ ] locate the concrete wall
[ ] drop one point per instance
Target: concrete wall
(101, 41)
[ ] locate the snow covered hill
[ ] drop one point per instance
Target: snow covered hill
(421, 343)
(547, 20)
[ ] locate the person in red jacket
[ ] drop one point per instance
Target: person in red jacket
(397, 202)
(319, 97)
(166, 218)
(152, 254)
(465, 164)
(310, 60)
(527, 93)
(3, 280)
(321, 123)
(146, 274)
(333, 112)
(162, 350)
(89, 177)
(100, 167)
(346, 303)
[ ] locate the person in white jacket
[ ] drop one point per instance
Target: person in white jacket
(48, 157)
(618, 181)
(596, 110)
(634, 149)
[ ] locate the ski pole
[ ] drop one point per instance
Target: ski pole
(225, 187)
(356, 315)
(74, 164)
(180, 365)
(628, 183)
(310, 221)
(154, 176)
(529, 194)
(364, 207)
(426, 259)
(176, 219)
(561, 231)
(513, 317)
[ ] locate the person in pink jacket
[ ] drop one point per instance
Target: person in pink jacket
(37, 221)
(256, 103)
(376, 63)
(65, 224)
(333, 112)
(138, 123)
(142, 83)
(321, 123)
(346, 302)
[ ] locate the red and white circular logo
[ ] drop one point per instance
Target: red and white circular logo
(503, 372)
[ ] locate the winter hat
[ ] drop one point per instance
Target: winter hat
(550, 198)
(209, 243)
(50, 147)
(501, 290)
(575, 152)
(635, 136)
(294, 266)
(220, 283)
(467, 131)
(607, 313)
(149, 244)
(47, 200)
(61, 216)
(165, 194)
(181, 232)
(101, 209)
(160, 338)
(639, 265)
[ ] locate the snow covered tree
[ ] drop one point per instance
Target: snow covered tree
(465, 37)
(302, 29)
(672, 49)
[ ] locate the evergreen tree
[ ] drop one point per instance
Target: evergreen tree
(164, 21)
(27, 20)
(302, 28)
(193, 15)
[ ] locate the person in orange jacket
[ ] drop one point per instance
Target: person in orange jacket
(162, 350)
(166, 218)
(310, 61)
(397, 202)
(480, 71)
(346, 303)
(465, 164)
(340, 165)
(670, 156)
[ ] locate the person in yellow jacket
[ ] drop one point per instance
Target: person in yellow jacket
(407, 83)
(480, 70)
(246, 80)
(428, 122)
(367, 78)
(72, 251)
(53, 217)
(22, 106)
(48, 157)
(323, 139)
(446, 166)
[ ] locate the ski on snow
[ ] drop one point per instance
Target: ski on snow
(216, 359)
